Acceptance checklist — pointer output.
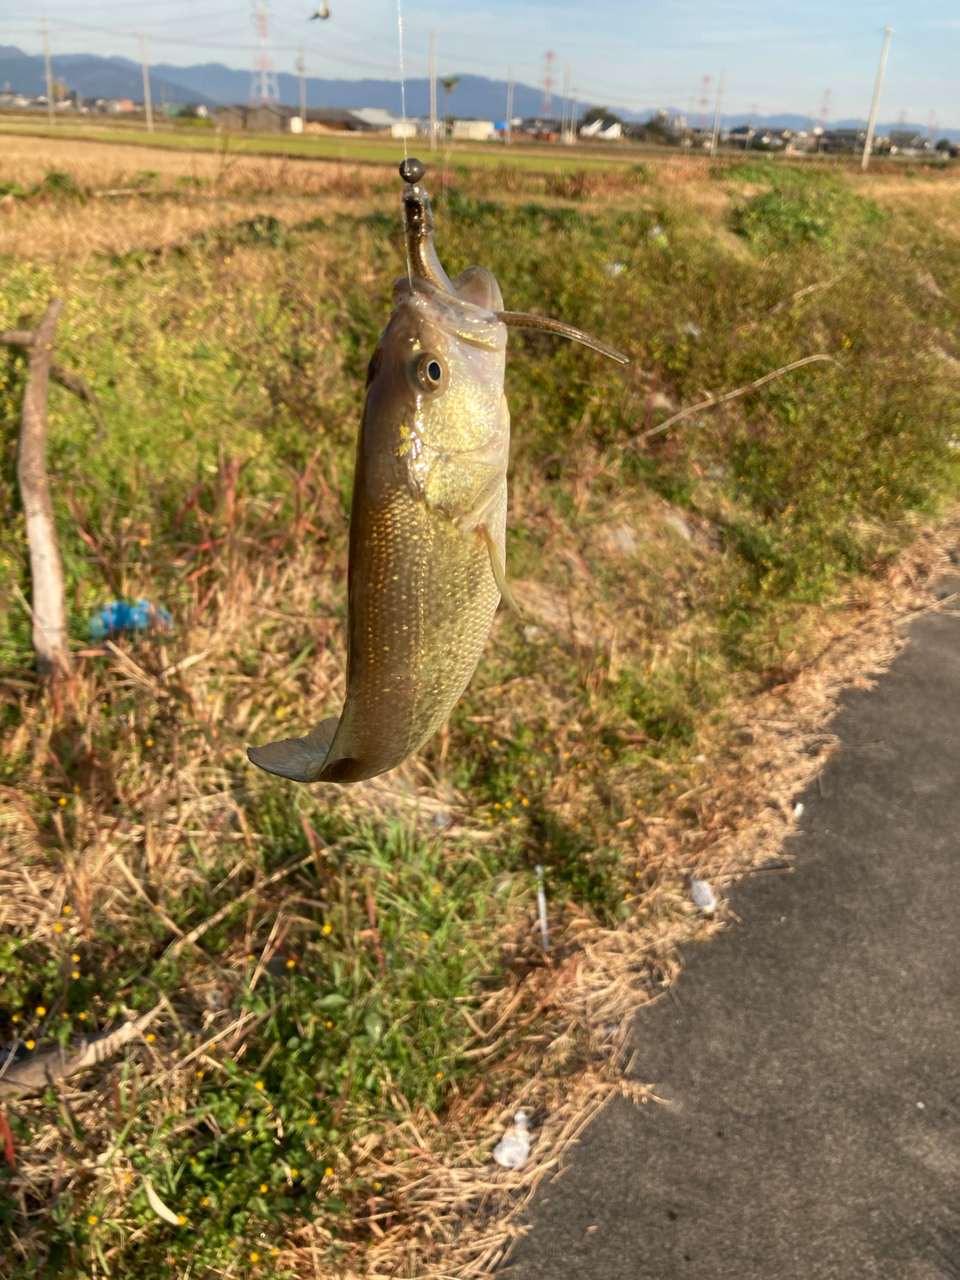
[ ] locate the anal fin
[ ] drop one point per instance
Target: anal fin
(499, 573)
(300, 759)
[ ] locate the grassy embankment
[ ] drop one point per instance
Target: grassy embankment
(659, 580)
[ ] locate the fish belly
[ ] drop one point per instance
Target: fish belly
(422, 602)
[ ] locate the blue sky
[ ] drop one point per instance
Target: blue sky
(777, 56)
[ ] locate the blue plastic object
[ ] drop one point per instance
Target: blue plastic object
(118, 616)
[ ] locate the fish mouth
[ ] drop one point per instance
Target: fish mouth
(466, 321)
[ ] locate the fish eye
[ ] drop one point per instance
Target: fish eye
(431, 372)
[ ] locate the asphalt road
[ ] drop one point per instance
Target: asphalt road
(811, 1057)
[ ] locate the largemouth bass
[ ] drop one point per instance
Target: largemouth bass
(428, 521)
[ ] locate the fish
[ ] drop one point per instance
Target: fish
(428, 518)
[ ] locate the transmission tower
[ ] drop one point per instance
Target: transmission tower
(825, 109)
(546, 107)
(824, 117)
(263, 85)
(704, 103)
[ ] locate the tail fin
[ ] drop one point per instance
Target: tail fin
(300, 759)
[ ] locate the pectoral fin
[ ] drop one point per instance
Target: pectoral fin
(300, 759)
(499, 573)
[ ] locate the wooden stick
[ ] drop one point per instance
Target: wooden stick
(49, 608)
(804, 293)
(66, 377)
(33, 1075)
(712, 401)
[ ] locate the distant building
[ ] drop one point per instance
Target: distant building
(276, 119)
(742, 135)
(850, 140)
(474, 130)
(666, 127)
(266, 119)
(908, 141)
(602, 130)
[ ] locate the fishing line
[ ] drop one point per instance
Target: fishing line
(403, 113)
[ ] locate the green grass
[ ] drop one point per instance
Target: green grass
(264, 1137)
(231, 370)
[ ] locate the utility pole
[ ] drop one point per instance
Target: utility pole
(566, 99)
(147, 103)
(302, 69)
(574, 114)
(46, 59)
(716, 115)
(509, 107)
(433, 91)
(868, 145)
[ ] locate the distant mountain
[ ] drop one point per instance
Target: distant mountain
(211, 82)
(91, 76)
(474, 96)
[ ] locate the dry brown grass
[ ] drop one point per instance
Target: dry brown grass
(196, 190)
(190, 191)
(616, 581)
(101, 165)
(460, 1218)
(733, 824)
(552, 1039)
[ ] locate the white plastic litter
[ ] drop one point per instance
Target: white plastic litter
(678, 523)
(614, 268)
(514, 1147)
(703, 896)
(159, 1208)
(798, 810)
